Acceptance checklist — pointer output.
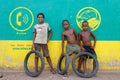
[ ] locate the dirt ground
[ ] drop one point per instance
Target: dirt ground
(46, 75)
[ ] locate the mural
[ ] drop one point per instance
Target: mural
(19, 17)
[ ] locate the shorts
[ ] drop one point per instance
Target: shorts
(72, 48)
(90, 50)
(44, 49)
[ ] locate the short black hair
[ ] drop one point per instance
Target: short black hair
(64, 21)
(85, 22)
(40, 14)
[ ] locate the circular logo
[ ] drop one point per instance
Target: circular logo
(21, 19)
(91, 15)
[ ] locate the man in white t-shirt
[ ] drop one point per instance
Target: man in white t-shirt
(40, 40)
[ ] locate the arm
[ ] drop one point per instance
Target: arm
(34, 36)
(79, 40)
(50, 34)
(62, 43)
(49, 31)
(75, 33)
(94, 39)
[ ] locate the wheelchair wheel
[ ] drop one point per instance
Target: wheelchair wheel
(63, 64)
(91, 69)
(29, 63)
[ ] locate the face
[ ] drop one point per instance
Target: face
(40, 19)
(85, 26)
(65, 24)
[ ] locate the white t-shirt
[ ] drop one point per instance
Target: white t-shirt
(41, 31)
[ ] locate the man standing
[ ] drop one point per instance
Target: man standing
(40, 40)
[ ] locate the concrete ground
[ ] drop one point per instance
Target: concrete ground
(46, 75)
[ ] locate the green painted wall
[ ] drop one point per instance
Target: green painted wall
(55, 11)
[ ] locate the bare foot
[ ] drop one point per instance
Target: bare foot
(80, 71)
(36, 69)
(95, 75)
(1, 75)
(53, 71)
(66, 74)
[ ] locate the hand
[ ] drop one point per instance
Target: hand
(83, 49)
(33, 47)
(92, 47)
(47, 40)
(62, 53)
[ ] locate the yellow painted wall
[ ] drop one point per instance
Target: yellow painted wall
(12, 53)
